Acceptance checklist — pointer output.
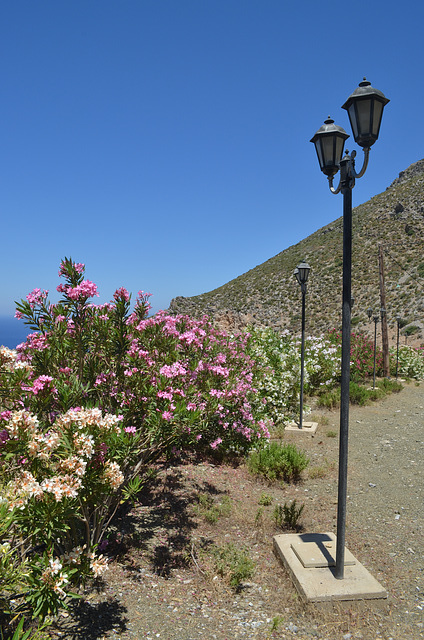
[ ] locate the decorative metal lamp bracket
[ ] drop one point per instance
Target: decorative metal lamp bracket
(348, 173)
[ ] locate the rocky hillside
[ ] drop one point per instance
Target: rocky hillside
(269, 294)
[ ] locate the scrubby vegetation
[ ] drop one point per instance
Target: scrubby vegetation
(98, 393)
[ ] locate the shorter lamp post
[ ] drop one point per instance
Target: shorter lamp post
(375, 346)
(369, 313)
(398, 321)
(301, 273)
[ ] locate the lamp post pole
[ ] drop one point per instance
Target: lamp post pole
(375, 347)
(301, 273)
(365, 109)
(398, 319)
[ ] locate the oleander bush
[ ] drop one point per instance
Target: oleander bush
(410, 362)
(361, 355)
(94, 395)
(279, 364)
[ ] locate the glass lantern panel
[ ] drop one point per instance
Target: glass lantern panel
(352, 118)
(328, 151)
(303, 275)
(364, 116)
(318, 147)
(378, 112)
(339, 149)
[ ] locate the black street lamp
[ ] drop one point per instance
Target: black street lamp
(301, 273)
(375, 346)
(398, 321)
(365, 108)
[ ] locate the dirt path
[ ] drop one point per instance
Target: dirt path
(163, 582)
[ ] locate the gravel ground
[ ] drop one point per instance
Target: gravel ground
(162, 581)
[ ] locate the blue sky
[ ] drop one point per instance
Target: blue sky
(165, 143)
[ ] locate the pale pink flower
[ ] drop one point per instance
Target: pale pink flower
(130, 429)
(36, 297)
(216, 442)
(113, 474)
(86, 289)
(98, 565)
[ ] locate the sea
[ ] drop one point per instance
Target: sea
(12, 331)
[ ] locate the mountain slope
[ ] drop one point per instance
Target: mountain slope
(269, 294)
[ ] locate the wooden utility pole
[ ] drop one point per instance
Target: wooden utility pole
(384, 332)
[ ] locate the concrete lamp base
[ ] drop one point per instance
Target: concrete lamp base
(307, 427)
(310, 560)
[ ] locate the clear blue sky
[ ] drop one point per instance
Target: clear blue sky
(165, 143)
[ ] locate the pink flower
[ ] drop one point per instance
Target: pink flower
(78, 266)
(167, 415)
(65, 370)
(86, 289)
(216, 442)
(40, 383)
(130, 429)
(36, 297)
(121, 294)
(173, 370)
(165, 394)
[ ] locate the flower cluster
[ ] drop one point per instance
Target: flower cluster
(279, 382)
(410, 362)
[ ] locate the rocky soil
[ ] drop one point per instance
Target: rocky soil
(163, 581)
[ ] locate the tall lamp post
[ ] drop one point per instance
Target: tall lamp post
(398, 321)
(301, 273)
(365, 109)
(375, 347)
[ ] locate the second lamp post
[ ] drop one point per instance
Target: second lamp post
(301, 273)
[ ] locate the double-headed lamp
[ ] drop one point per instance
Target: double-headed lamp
(365, 109)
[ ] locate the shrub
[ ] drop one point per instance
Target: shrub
(210, 510)
(278, 382)
(106, 391)
(276, 461)
(329, 399)
(411, 362)
(411, 329)
(358, 394)
(278, 372)
(233, 563)
(287, 515)
(265, 500)
(361, 354)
